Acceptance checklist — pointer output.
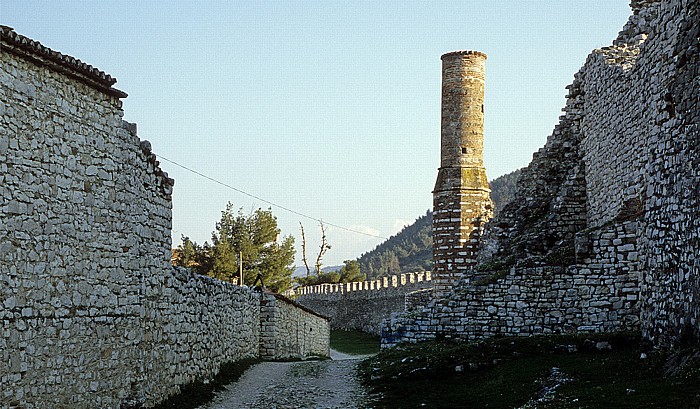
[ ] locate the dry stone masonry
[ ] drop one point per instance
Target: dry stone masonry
(604, 231)
(92, 313)
(288, 333)
(364, 305)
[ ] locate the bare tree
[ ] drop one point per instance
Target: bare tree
(303, 250)
(324, 247)
(322, 250)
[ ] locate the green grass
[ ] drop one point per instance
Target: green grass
(508, 372)
(354, 342)
(198, 393)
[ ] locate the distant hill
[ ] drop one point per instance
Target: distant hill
(503, 189)
(411, 248)
(300, 271)
(408, 250)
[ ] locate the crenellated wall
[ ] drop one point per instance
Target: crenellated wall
(92, 313)
(363, 305)
(408, 280)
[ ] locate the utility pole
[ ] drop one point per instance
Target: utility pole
(240, 268)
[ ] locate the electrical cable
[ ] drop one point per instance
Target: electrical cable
(266, 201)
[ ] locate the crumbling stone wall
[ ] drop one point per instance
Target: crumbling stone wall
(92, 313)
(611, 198)
(641, 128)
(363, 305)
(600, 294)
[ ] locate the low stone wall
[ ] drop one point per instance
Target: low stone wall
(600, 295)
(362, 306)
(191, 325)
(290, 331)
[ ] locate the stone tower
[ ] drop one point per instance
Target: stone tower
(461, 199)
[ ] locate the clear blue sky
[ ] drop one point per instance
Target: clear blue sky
(329, 108)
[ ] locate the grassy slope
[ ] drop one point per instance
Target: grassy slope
(507, 373)
(354, 342)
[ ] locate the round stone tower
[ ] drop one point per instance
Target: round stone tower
(461, 199)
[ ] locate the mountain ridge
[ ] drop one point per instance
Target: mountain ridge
(411, 249)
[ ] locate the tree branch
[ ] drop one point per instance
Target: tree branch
(303, 250)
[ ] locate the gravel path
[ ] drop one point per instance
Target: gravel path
(309, 384)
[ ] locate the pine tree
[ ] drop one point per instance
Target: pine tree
(253, 239)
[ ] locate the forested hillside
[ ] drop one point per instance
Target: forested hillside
(503, 189)
(411, 248)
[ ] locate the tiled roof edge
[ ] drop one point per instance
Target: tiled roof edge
(33, 50)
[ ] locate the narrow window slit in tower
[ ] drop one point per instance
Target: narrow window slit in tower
(464, 150)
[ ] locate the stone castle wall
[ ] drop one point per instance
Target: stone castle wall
(671, 239)
(362, 306)
(600, 294)
(92, 313)
(624, 154)
(639, 147)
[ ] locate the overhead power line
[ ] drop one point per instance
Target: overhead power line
(267, 201)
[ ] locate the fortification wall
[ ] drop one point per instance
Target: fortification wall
(362, 306)
(601, 294)
(640, 149)
(92, 314)
(625, 151)
(671, 242)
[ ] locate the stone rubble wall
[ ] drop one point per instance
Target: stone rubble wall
(671, 241)
(362, 306)
(291, 332)
(597, 296)
(624, 154)
(92, 313)
(418, 299)
(640, 147)
(192, 325)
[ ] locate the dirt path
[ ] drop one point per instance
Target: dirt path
(310, 384)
